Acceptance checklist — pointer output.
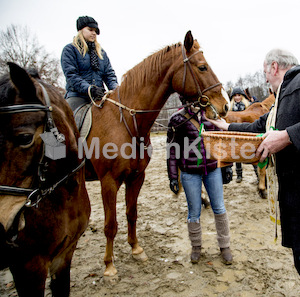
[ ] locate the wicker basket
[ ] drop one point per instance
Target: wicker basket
(231, 146)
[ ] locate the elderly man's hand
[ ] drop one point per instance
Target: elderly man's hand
(220, 123)
(274, 141)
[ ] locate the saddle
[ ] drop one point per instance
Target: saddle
(83, 119)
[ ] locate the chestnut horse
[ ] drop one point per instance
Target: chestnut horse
(123, 126)
(252, 113)
(44, 206)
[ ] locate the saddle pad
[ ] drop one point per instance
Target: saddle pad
(83, 119)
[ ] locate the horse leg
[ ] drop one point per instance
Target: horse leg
(60, 273)
(30, 277)
(133, 187)
(204, 199)
(262, 182)
(109, 197)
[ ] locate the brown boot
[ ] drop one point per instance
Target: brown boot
(226, 256)
(239, 172)
(223, 237)
(196, 254)
(195, 235)
(239, 179)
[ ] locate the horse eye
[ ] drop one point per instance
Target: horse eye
(202, 68)
(24, 139)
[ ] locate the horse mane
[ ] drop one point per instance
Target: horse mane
(33, 73)
(151, 66)
(7, 90)
(268, 101)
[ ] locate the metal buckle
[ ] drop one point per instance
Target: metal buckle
(207, 102)
(29, 202)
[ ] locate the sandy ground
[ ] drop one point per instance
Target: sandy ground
(261, 267)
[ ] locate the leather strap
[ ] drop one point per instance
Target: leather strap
(193, 121)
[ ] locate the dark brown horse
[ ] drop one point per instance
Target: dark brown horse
(123, 126)
(44, 206)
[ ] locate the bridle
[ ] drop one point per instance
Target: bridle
(34, 196)
(203, 100)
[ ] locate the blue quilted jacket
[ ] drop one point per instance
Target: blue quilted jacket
(79, 74)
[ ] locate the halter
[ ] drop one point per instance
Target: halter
(133, 112)
(186, 62)
(34, 196)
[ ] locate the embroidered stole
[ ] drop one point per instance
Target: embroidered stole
(272, 180)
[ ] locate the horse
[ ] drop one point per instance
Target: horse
(122, 123)
(250, 114)
(44, 203)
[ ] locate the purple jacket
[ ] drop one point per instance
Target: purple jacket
(182, 133)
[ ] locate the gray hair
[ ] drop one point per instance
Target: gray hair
(283, 58)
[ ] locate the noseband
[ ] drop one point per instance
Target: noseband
(203, 100)
(35, 195)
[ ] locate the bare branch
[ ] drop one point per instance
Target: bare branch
(18, 45)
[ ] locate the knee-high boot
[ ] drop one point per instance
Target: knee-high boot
(239, 172)
(195, 235)
(223, 237)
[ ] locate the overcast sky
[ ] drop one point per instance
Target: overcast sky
(235, 35)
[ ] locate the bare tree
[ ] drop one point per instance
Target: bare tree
(256, 83)
(18, 45)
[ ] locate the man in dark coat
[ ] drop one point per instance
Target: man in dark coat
(281, 68)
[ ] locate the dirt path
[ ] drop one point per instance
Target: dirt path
(260, 268)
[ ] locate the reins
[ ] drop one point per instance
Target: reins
(133, 112)
(37, 193)
(34, 196)
(130, 110)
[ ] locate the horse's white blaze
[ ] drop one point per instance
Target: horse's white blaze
(225, 95)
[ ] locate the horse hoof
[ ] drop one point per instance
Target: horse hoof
(263, 194)
(140, 257)
(110, 270)
(136, 249)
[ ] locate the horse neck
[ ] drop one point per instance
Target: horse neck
(268, 101)
(148, 86)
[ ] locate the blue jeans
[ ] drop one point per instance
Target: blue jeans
(192, 184)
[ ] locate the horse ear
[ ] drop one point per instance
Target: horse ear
(188, 41)
(248, 93)
(22, 81)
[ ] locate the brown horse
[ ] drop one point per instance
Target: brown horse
(123, 126)
(252, 113)
(44, 206)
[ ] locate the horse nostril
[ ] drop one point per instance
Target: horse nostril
(226, 108)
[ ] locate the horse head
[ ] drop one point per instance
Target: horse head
(44, 206)
(23, 118)
(196, 82)
(19, 132)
